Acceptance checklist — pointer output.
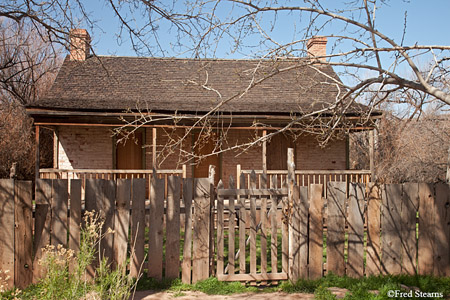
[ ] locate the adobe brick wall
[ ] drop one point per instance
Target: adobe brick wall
(310, 156)
(92, 147)
(85, 148)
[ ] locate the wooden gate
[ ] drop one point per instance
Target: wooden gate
(252, 215)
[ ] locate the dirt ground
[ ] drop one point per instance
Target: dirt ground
(151, 295)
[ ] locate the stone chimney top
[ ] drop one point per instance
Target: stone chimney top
(80, 44)
(317, 46)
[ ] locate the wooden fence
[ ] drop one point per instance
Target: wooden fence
(370, 230)
(121, 204)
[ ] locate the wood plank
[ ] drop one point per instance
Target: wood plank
(242, 226)
(294, 250)
(264, 222)
(285, 232)
(75, 217)
(60, 203)
(373, 255)
(315, 267)
(155, 242)
(253, 225)
(212, 199)
(336, 196)
(253, 277)
(274, 228)
(442, 233)
(122, 222)
(93, 191)
(293, 266)
(391, 229)
(42, 225)
(220, 232)
(200, 262)
(356, 203)
(187, 247)
(253, 192)
(23, 238)
(410, 205)
(137, 223)
(173, 228)
(231, 230)
(427, 213)
(304, 226)
(108, 206)
(7, 230)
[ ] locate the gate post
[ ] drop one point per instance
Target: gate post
(293, 219)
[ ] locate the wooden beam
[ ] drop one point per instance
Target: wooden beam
(253, 192)
(371, 155)
(356, 128)
(37, 152)
(253, 277)
(264, 152)
(154, 132)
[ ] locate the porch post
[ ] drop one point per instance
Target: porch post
(371, 155)
(37, 153)
(264, 152)
(154, 147)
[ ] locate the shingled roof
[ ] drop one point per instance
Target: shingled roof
(108, 83)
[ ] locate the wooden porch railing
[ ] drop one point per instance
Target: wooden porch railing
(307, 177)
(111, 174)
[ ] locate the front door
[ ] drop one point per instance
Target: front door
(201, 168)
(129, 153)
(277, 151)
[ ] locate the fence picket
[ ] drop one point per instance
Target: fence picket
(137, 226)
(202, 203)
(75, 217)
(155, 239)
(220, 232)
(427, 212)
(122, 221)
(336, 195)
(242, 226)
(42, 223)
(355, 261)
(173, 228)
(442, 237)
(410, 203)
(303, 240)
(23, 239)
(253, 225)
(7, 229)
(264, 221)
(274, 227)
(285, 232)
(187, 247)
(391, 226)
(315, 232)
(231, 230)
(373, 255)
(59, 212)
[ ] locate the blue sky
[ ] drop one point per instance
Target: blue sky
(427, 23)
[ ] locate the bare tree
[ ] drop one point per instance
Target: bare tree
(28, 66)
(367, 59)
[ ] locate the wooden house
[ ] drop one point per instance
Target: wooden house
(92, 95)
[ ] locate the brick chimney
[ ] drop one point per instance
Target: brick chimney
(80, 44)
(317, 46)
